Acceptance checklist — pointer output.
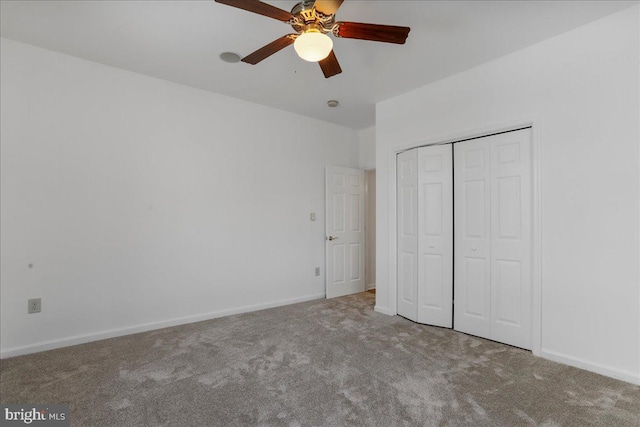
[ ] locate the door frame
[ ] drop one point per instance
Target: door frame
(369, 244)
(535, 122)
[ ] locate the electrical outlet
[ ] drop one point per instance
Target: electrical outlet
(35, 305)
(317, 271)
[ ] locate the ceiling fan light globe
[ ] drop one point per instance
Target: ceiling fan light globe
(313, 46)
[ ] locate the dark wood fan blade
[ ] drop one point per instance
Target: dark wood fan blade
(268, 50)
(330, 66)
(327, 7)
(260, 8)
(373, 32)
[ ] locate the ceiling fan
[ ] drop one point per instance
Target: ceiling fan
(312, 20)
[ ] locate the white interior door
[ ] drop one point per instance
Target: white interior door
(493, 237)
(407, 234)
(345, 231)
(511, 238)
(435, 235)
(472, 195)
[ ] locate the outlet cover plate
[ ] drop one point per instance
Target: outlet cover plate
(35, 305)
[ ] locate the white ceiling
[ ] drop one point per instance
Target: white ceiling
(180, 41)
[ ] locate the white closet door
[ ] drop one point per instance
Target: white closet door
(407, 232)
(511, 238)
(493, 237)
(435, 235)
(472, 271)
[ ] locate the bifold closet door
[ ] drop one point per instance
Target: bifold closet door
(435, 235)
(407, 234)
(425, 235)
(472, 222)
(492, 223)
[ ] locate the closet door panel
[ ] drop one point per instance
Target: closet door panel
(435, 231)
(511, 238)
(472, 260)
(407, 234)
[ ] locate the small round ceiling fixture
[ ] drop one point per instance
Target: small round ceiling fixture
(333, 103)
(230, 57)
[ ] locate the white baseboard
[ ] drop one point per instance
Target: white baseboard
(383, 310)
(112, 333)
(633, 378)
(371, 286)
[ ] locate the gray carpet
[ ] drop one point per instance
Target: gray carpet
(321, 363)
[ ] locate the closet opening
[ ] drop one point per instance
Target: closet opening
(465, 236)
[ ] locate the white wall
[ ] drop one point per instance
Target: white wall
(367, 153)
(142, 203)
(582, 90)
(367, 138)
(370, 225)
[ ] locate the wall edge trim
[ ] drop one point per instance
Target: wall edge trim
(608, 371)
(145, 327)
(383, 310)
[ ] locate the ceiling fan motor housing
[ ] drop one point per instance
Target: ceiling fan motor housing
(306, 17)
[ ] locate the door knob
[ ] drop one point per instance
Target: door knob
(330, 238)
(473, 248)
